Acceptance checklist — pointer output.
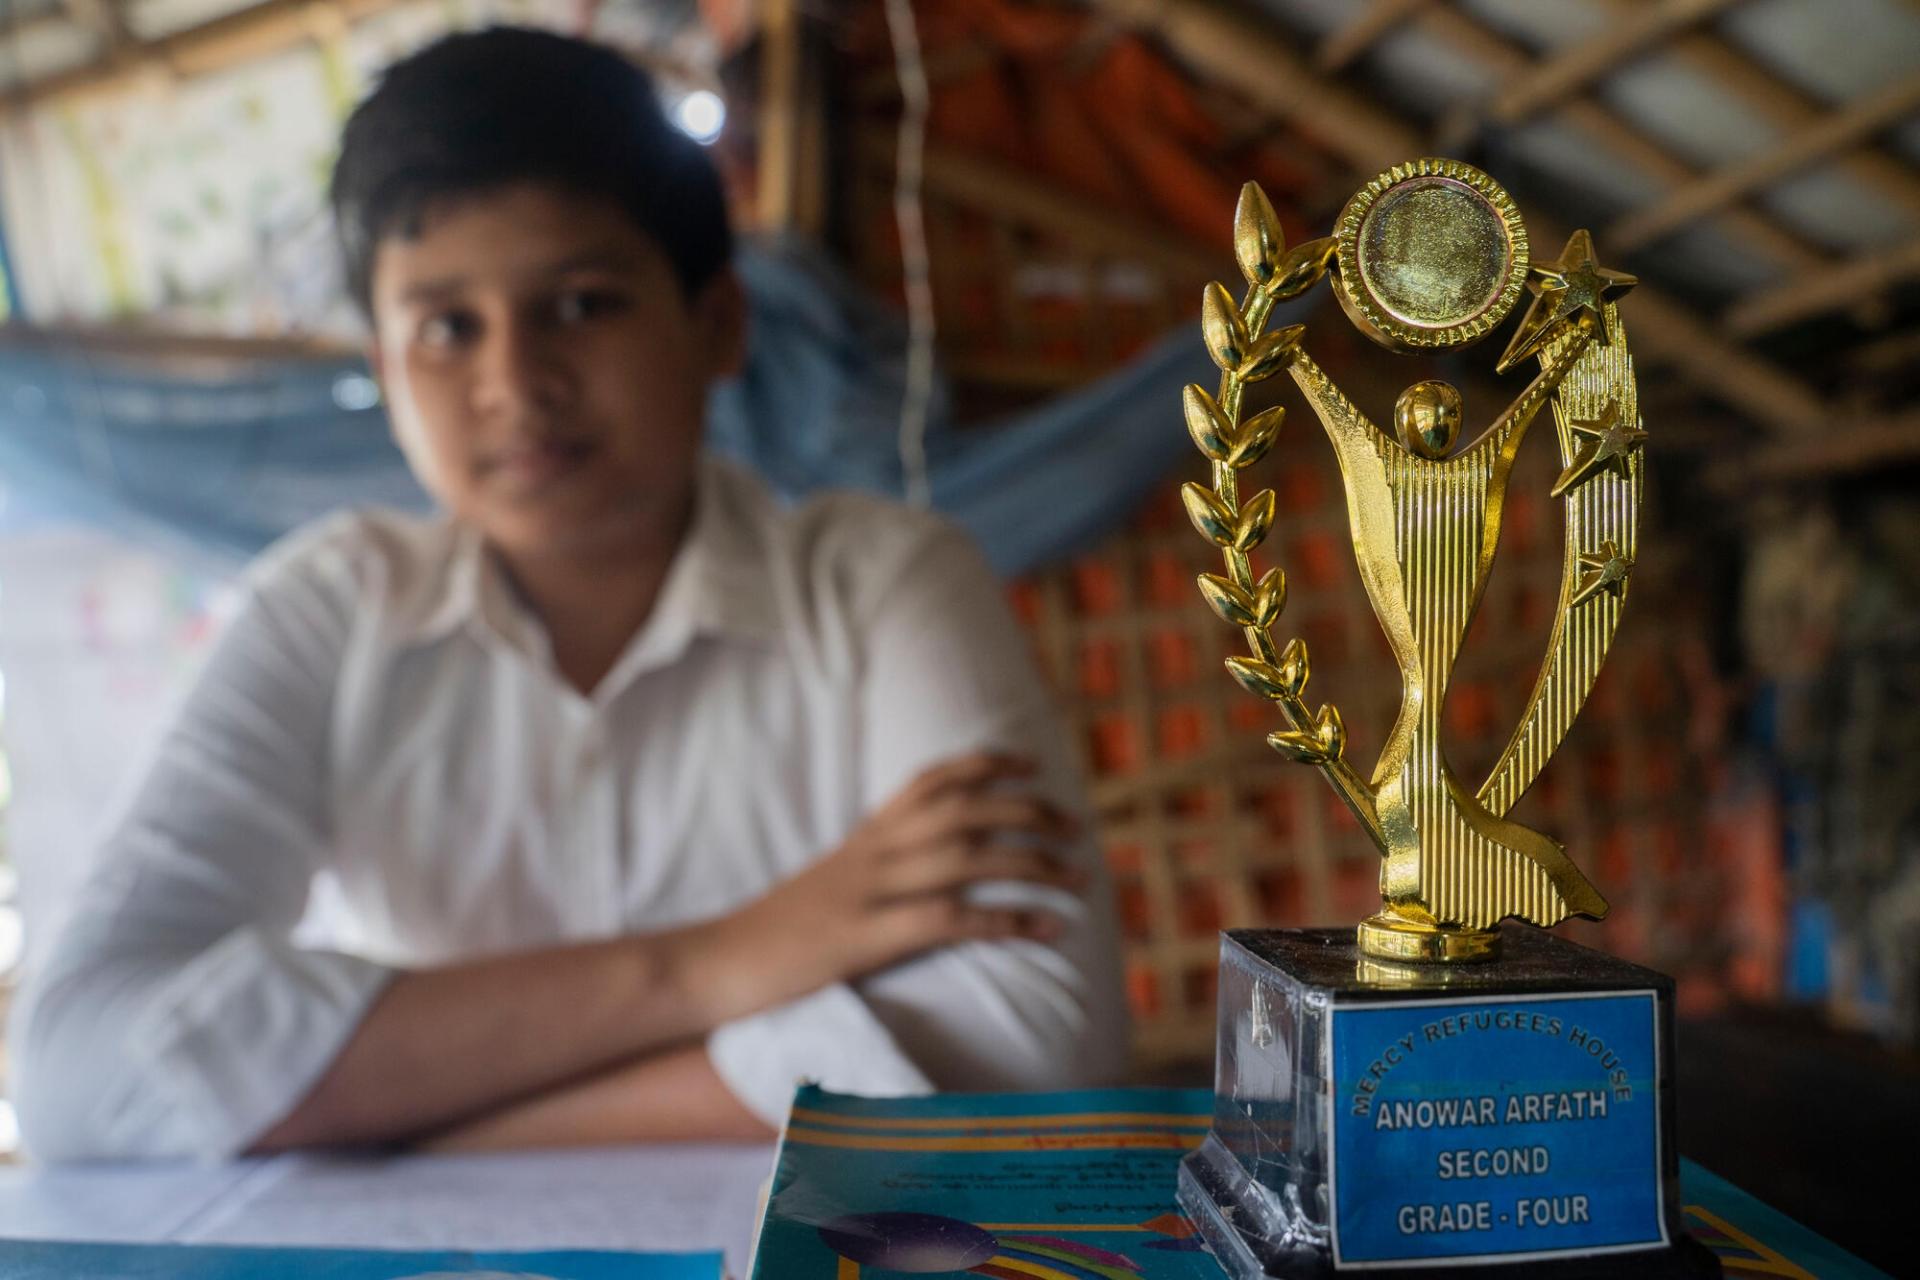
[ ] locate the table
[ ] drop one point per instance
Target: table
(670, 1198)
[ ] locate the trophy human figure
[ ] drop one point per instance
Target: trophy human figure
(1431, 256)
(1425, 527)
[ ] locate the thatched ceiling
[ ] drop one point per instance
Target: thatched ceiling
(1754, 162)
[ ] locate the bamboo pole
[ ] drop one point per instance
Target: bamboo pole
(1347, 44)
(1585, 61)
(1844, 128)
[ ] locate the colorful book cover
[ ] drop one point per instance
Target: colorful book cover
(1014, 1186)
(64, 1260)
(1080, 1186)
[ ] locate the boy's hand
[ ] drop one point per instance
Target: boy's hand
(898, 886)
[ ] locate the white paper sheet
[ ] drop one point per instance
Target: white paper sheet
(642, 1198)
(671, 1198)
(130, 1203)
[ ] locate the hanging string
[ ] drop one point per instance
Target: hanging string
(910, 216)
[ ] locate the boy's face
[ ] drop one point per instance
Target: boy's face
(546, 375)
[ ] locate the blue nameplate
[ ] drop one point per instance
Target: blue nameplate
(1495, 1129)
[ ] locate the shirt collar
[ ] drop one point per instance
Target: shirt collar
(717, 583)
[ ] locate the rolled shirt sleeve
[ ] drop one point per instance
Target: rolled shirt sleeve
(173, 1016)
(947, 670)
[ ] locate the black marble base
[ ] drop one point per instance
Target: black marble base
(1261, 1187)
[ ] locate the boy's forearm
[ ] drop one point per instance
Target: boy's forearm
(443, 1047)
(440, 1046)
(671, 1096)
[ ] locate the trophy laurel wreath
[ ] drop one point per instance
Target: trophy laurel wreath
(1431, 255)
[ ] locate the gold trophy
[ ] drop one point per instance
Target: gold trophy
(1425, 1092)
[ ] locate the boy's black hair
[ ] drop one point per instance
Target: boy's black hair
(478, 111)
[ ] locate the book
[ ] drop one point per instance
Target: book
(1080, 1186)
(1033, 1186)
(64, 1260)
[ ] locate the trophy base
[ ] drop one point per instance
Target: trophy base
(1500, 1118)
(1396, 939)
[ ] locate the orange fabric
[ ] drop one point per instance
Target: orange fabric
(1102, 113)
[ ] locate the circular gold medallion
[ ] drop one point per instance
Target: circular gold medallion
(1432, 255)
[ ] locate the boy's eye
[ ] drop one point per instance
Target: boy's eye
(576, 305)
(448, 329)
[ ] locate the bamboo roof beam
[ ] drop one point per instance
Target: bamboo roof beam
(1818, 292)
(1370, 140)
(37, 23)
(951, 62)
(1468, 37)
(204, 47)
(1777, 243)
(104, 19)
(988, 185)
(44, 44)
(1760, 390)
(781, 109)
(1367, 28)
(1562, 75)
(1844, 128)
(1838, 451)
(1243, 50)
(1890, 354)
(1815, 284)
(1788, 110)
(134, 342)
(1896, 354)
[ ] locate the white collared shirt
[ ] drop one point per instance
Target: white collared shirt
(381, 769)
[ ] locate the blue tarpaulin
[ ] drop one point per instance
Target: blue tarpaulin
(223, 459)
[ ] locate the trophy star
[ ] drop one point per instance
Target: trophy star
(1569, 289)
(1605, 445)
(1605, 570)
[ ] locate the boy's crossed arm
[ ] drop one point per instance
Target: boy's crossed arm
(597, 1042)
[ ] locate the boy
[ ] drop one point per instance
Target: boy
(619, 797)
